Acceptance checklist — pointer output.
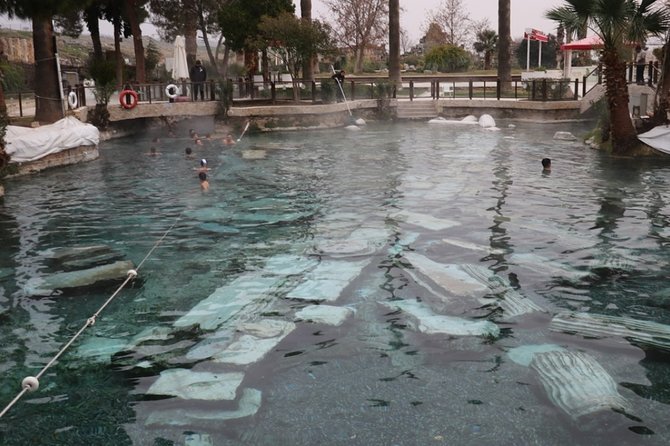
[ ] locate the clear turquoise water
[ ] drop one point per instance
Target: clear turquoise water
(374, 380)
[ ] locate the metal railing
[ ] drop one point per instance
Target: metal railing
(322, 90)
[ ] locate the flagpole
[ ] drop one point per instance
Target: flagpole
(528, 52)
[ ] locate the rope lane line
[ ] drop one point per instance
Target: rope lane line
(31, 383)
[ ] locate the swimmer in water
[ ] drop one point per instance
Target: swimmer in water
(153, 152)
(189, 153)
(204, 184)
(546, 165)
(228, 140)
(203, 166)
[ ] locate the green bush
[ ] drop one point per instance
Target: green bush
(103, 72)
(448, 58)
(327, 91)
(12, 78)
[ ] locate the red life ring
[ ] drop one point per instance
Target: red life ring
(122, 99)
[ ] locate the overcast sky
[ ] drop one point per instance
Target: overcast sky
(413, 17)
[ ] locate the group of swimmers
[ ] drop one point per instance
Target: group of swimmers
(228, 140)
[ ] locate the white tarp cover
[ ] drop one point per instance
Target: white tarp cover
(30, 144)
(658, 138)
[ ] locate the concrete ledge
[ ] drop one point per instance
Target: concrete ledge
(146, 110)
(535, 111)
(64, 158)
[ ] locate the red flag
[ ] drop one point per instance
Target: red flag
(535, 34)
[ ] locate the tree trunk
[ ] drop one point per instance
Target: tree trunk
(117, 53)
(226, 58)
(663, 89)
(504, 45)
(91, 16)
(131, 13)
(48, 102)
(190, 31)
(308, 64)
(358, 64)
(624, 136)
(394, 42)
(203, 29)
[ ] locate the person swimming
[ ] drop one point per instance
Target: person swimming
(153, 152)
(546, 165)
(189, 153)
(203, 166)
(228, 140)
(204, 184)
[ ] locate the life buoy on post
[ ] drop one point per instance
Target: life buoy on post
(72, 100)
(133, 99)
(171, 91)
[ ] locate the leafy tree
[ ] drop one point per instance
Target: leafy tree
(239, 22)
(453, 18)
(153, 57)
(616, 22)
(359, 24)
(434, 36)
(448, 58)
(48, 104)
(487, 43)
(295, 40)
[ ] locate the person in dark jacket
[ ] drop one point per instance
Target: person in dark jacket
(198, 78)
(339, 81)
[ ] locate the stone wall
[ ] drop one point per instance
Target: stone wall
(64, 158)
(18, 49)
(530, 111)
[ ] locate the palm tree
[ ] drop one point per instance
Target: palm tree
(487, 41)
(617, 23)
(504, 43)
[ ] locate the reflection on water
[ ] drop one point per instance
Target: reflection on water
(373, 288)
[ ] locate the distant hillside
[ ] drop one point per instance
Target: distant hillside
(75, 52)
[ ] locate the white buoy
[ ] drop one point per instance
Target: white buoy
(30, 383)
(353, 128)
(360, 121)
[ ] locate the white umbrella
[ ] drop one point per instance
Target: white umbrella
(180, 66)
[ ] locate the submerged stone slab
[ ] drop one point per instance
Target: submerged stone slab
(257, 339)
(244, 294)
(288, 265)
(449, 276)
(76, 252)
(472, 246)
(548, 267)
(429, 322)
(44, 286)
(190, 385)
(508, 299)
(624, 329)
(523, 355)
(424, 220)
(249, 403)
(577, 383)
(324, 314)
(101, 350)
(327, 280)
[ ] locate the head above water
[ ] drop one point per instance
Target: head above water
(188, 151)
(203, 162)
(546, 163)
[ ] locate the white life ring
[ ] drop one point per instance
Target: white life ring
(72, 100)
(171, 91)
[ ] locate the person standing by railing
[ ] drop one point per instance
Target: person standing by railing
(640, 61)
(198, 77)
